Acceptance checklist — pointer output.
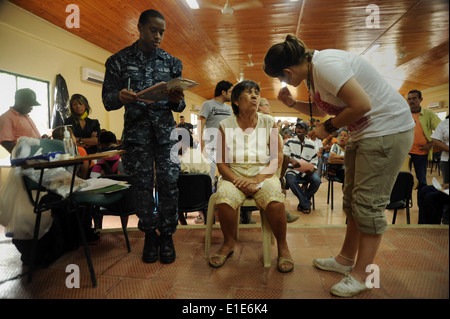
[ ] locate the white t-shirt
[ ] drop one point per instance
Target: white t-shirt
(390, 112)
(441, 134)
(214, 112)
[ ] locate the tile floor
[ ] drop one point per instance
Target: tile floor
(413, 262)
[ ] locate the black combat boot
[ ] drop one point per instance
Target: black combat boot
(151, 244)
(166, 249)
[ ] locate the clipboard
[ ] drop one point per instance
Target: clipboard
(159, 91)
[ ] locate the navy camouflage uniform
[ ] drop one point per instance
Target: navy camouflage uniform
(147, 131)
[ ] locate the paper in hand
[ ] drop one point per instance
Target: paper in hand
(160, 90)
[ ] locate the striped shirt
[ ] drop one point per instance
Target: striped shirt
(297, 150)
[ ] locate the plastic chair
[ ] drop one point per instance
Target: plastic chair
(248, 206)
(82, 201)
(267, 236)
(194, 192)
(401, 195)
(331, 179)
(125, 207)
(436, 162)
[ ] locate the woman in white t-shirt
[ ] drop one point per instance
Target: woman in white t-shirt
(381, 134)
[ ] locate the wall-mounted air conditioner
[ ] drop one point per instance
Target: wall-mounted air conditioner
(436, 105)
(92, 76)
(195, 108)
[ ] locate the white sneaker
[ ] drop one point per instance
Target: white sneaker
(330, 264)
(348, 287)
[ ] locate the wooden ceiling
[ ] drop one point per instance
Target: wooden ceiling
(414, 35)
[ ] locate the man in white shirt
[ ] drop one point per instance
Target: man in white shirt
(301, 148)
(211, 114)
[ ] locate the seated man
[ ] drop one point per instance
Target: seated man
(16, 122)
(301, 149)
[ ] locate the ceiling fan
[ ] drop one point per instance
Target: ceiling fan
(228, 10)
(250, 63)
(404, 54)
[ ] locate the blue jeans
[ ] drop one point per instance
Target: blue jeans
(420, 163)
(304, 198)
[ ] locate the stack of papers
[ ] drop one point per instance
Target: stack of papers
(102, 185)
(439, 187)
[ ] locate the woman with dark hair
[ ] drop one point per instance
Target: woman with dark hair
(249, 154)
(86, 130)
(381, 134)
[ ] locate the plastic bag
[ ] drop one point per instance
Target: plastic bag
(17, 212)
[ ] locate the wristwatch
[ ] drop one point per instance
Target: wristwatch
(329, 127)
(80, 141)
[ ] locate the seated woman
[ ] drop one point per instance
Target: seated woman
(86, 130)
(249, 154)
(336, 160)
(107, 141)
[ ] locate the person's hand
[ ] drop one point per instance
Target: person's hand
(286, 97)
(426, 147)
(94, 134)
(249, 190)
(295, 163)
(242, 182)
(318, 132)
(175, 94)
(309, 173)
(126, 97)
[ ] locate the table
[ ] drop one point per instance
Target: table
(69, 162)
(74, 161)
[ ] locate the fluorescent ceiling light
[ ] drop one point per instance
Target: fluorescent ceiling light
(372, 48)
(192, 4)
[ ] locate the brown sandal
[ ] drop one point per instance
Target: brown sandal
(281, 261)
(222, 260)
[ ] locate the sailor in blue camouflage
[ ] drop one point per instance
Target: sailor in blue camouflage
(147, 127)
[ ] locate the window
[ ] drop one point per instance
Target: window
(442, 115)
(11, 82)
(194, 118)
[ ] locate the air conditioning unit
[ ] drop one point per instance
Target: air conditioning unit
(436, 105)
(195, 108)
(92, 76)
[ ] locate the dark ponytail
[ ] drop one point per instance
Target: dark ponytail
(283, 55)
